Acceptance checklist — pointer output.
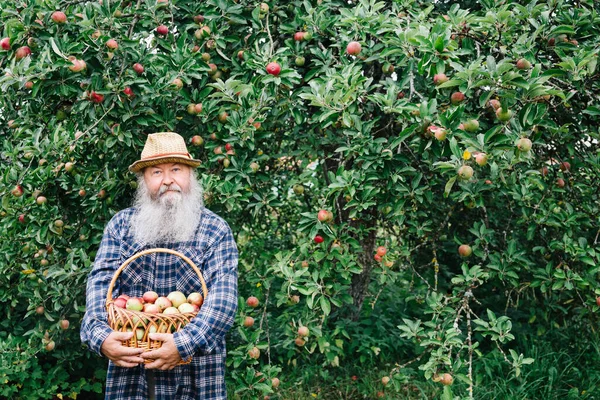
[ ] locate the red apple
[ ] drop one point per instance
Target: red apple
(198, 108)
(560, 182)
(138, 68)
(59, 17)
(152, 308)
(120, 302)
(17, 191)
(64, 324)
(248, 322)
(199, 19)
(41, 200)
(318, 239)
(353, 48)
(377, 258)
(598, 301)
(178, 83)
(299, 36)
(438, 79)
(222, 117)
(495, 104)
(5, 43)
(254, 353)
(381, 251)
(197, 140)
(457, 97)
(150, 296)
(252, 302)
(112, 44)
(162, 30)
(275, 382)
(565, 166)
(523, 64)
(385, 380)
(323, 215)
(471, 125)
(96, 97)
(446, 379)
(273, 68)
(39, 310)
(128, 91)
(50, 345)
(22, 218)
(465, 250)
(196, 299)
(299, 342)
(22, 52)
(303, 331)
(28, 85)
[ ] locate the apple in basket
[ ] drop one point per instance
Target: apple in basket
(151, 308)
(186, 308)
(134, 304)
(195, 299)
(150, 296)
(139, 333)
(171, 310)
(163, 303)
(177, 298)
(120, 302)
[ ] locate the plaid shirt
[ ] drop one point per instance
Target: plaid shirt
(214, 252)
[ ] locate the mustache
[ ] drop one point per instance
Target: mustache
(173, 186)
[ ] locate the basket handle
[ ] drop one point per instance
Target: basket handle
(109, 297)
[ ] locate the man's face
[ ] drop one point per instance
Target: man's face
(167, 182)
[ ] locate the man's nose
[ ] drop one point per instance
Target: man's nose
(167, 179)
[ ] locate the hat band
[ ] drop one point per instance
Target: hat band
(166, 155)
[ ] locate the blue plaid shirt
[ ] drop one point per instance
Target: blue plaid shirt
(214, 252)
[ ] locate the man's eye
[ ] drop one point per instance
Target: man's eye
(176, 169)
(156, 172)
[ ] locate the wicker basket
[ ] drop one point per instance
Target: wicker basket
(143, 323)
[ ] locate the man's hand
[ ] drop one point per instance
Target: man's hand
(167, 356)
(122, 356)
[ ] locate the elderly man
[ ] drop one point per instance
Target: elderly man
(168, 212)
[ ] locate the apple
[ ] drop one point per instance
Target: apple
(120, 302)
(380, 394)
(471, 125)
(191, 109)
(385, 380)
(378, 258)
(197, 140)
(298, 189)
(222, 117)
(112, 44)
(5, 43)
(170, 310)
(300, 61)
(59, 17)
(17, 191)
(307, 36)
(353, 48)
(503, 115)
(162, 30)
(381, 251)
(438, 79)
(481, 159)
(50, 345)
(254, 353)
(203, 32)
(299, 342)
(22, 52)
(128, 91)
(465, 250)
(544, 171)
(275, 382)
(446, 379)
(565, 166)
(323, 215)
(523, 64)
(186, 308)
(524, 145)
(299, 36)
(39, 310)
(495, 104)
(138, 68)
(139, 333)
(64, 324)
(78, 65)
(457, 98)
(598, 301)
(465, 172)
(303, 331)
(560, 182)
(240, 55)
(177, 298)
(198, 19)
(150, 296)
(196, 299)
(134, 304)
(59, 223)
(304, 264)
(198, 108)
(213, 69)
(82, 192)
(254, 166)
(252, 302)
(96, 97)
(152, 308)
(163, 303)
(354, 378)
(264, 8)
(178, 83)
(22, 218)
(41, 200)
(387, 68)
(318, 239)
(248, 322)
(273, 68)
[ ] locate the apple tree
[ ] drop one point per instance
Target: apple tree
(412, 183)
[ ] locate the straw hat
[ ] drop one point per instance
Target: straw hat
(164, 147)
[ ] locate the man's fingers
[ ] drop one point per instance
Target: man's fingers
(121, 336)
(160, 336)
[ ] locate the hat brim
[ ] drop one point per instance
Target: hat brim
(141, 164)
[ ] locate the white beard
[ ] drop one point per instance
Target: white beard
(172, 217)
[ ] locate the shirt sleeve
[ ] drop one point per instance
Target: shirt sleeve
(94, 327)
(217, 314)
